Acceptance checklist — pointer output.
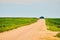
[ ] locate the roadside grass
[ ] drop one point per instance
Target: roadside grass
(9, 23)
(53, 24)
(58, 35)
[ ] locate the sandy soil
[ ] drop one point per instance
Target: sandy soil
(35, 31)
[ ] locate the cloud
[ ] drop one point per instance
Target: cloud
(15, 0)
(27, 1)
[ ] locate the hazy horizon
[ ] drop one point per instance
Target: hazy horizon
(30, 8)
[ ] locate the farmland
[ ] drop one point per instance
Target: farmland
(9, 23)
(53, 24)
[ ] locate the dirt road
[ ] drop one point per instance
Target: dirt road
(35, 31)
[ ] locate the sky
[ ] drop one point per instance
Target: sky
(30, 8)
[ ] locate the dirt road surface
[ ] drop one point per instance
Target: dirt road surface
(35, 31)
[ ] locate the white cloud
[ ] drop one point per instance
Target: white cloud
(26, 1)
(21, 1)
(15, 0)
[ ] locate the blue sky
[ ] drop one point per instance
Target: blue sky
(30, 8)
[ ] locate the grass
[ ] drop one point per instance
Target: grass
(12, 23)
(58, 35)
(9, 23)
(53, 24)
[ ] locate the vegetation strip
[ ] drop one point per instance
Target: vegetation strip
(10, 23)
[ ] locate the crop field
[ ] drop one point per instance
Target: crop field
(53, 24)
(12, 23)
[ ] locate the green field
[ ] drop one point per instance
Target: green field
(53, 24)
(9, 23)
(12, 23)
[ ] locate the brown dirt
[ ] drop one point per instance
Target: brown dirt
(35, 31)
